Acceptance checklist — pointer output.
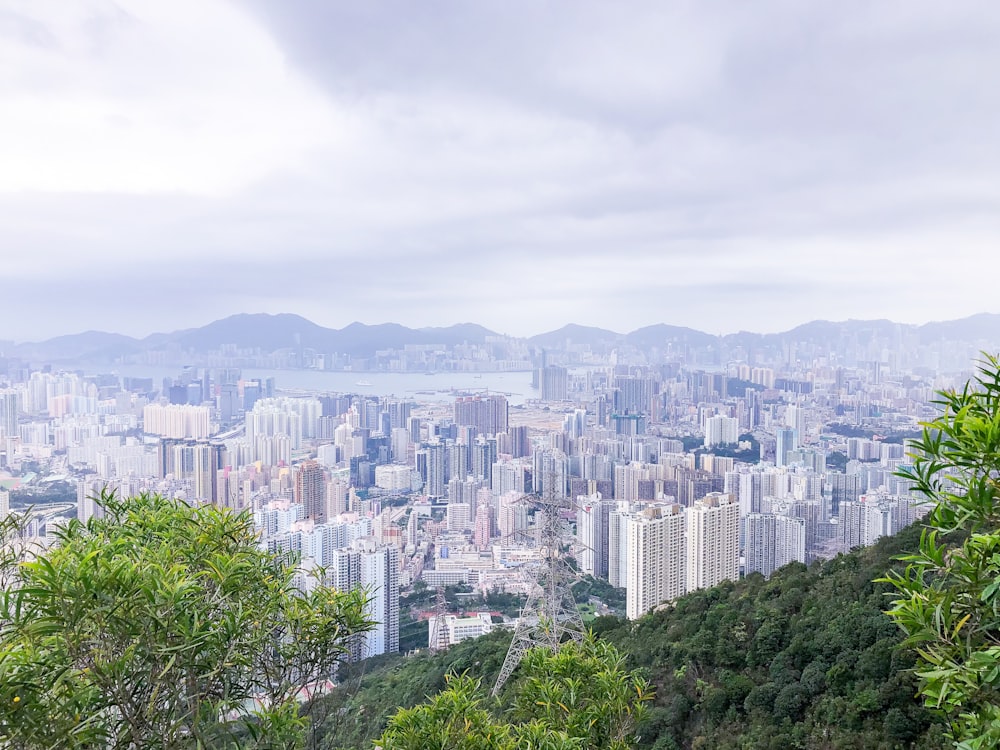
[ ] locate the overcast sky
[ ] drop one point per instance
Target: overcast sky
(521, 163)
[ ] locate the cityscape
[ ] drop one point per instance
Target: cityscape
(499, 376)
(680, 463)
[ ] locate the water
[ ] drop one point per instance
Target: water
(438, 386)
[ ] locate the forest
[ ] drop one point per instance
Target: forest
(807, 659)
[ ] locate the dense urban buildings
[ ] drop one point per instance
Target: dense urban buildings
(675, 467)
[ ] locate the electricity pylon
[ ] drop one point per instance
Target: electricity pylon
(549, 617)
(438, 640)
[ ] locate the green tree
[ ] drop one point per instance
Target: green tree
(580, 697)
(949, 593)
(162, 625)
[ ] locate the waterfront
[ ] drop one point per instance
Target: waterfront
(438, 386)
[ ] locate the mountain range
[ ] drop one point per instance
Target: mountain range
(269, 333)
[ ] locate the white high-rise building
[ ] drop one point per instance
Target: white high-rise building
(374, 567)
(618, 545)
(655, 571)
(720, 430)
(10, 407)
(713, 541)
(773, 541)
(177, 421)
(379, 574)
(592, 518)
(459, 516)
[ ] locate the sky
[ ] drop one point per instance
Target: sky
(521, 164)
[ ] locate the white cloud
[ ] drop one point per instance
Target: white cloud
(190, 96)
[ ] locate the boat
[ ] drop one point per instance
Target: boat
(364, 383)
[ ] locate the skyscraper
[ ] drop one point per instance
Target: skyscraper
(553, 383)
(655, 571)
(488, 414)
(713, 550)
(10, 403)
(310, 490)
(436, 481)
(773, 541)
(379, 574)
(787, 441)
(593, 514)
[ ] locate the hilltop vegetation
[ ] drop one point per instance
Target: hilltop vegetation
(804, 660)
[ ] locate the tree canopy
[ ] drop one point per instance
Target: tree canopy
(164, 625)
(579, 698)
(805, 659)
(949, 594)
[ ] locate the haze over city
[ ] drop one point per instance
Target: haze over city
(517, 165)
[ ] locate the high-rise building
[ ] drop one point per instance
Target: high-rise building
(592, 519)
(176, 421)
(196, 461)
(618, 545)
(773, 541)
(488, 414)
(520, 445)
(721, 430)
(310, 490)
(458, 516)
(366, 564)
(655, 572)
(787, 441)
(10, 406)
(436, 481)
(483, 532)
(713, 549)
(549, 473)
(379, 574)
(553, 383)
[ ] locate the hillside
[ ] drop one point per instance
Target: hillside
(805, 660)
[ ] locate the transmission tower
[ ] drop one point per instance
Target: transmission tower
(549, 616)
(438, 640)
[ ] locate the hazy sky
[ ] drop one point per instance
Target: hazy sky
(520, 163)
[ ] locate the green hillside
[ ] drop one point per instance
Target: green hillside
(805, 660)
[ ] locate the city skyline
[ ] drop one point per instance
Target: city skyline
(519, 166)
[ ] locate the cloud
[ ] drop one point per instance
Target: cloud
(187, 96)
(520, 164)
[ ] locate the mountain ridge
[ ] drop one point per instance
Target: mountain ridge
(287, 331)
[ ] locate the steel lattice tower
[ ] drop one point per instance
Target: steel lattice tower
(438, 640)
(549, 616)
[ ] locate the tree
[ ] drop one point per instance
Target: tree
(163, 625)
(949, 593)
(577, 698)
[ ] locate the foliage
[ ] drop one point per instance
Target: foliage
(806, 659)
(580, 697)
(163, 625)
(949, 597)
(737, 387)
(372, 691)
(837, 461)
(612, 597)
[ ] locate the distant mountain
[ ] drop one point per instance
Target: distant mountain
(257, 331)
(661, 334)
(270, 333)
(78, 346)
(595, 338)
(981, 327)
(459, 333)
